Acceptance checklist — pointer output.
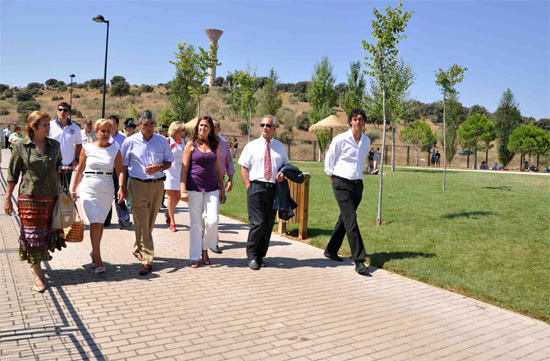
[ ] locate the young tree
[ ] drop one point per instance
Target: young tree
(506, 119)
(446, 81)
(354, 96)
(454, 112)
(183, 104)
(195, 66)
(269, 98)
(242, 96)
(388, 30)
(476, 134)
(321, 96)
(419, 135)
(530, 140)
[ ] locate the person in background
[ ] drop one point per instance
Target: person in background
(226, 163)
(36, 160)
(495, 166)
(15, 136)
(202, 187)
(1, 147)
(7, 133)
(235, 148)
(163, 130)
(88, 134)
(172, 184)
(483, 165)
(377, 155)
(129, 127)
(122, 212)
(260, 162)
(437, 159)
(343, 164)
(146, 155)
(95, 168)
(433, 157)
(68, 135)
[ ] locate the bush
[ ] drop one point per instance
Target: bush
(286, 116)
(135, 92)
(24, 96)
(8, 93)
(218, 81)
(55, 98)
(284, 137)
(146, 88)
(2, 97)
(4, 112)
(302, 121)
(293, 99)
(76, 113)
(4, 87)
(96, 83)
(62, 88)
(243, 127)
(27, 107)
(76, 96)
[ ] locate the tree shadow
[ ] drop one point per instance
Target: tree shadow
(501, 188)
(379, 259)
(468, 214)
(412, 170)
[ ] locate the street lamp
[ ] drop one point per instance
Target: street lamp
(99, 18)
(71, 101)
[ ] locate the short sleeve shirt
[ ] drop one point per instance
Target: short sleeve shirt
(137, 153)
(67, 136)
(253, 154)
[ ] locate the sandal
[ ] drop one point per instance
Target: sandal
(205, 258)
(172, 228)
(92, 257)
(167, 215)
(194, 264)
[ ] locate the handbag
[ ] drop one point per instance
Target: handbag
(75, 232)
(64, 213)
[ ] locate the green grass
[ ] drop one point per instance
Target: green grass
(487, 236)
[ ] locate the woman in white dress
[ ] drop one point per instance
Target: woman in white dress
(176, 133)
(95, 169)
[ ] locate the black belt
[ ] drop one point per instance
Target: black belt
(107, 173)
(154, 180)
(264, 184)
(349, 180)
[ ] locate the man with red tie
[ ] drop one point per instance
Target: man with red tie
(260, 162)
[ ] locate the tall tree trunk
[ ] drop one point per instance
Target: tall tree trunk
(381, 172)
(475, 159)
(249, 122)
(393, 147)
(199, 107)
(444, 143)
(416, 155)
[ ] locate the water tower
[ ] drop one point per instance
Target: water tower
(213, 36)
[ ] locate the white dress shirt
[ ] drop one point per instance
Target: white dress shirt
(68, 137)
(345, 157)
(137, 153)
(252, 157)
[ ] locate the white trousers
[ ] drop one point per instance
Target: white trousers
(201, 239)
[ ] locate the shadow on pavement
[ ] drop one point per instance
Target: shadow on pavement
(379, 259)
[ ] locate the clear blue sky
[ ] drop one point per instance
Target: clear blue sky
(504, 44)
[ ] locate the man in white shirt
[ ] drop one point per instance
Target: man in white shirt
(260, 162)
(7, 133)
(68, 134)
(88, 134)
(344, 164)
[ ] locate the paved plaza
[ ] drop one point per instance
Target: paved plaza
(301, 306)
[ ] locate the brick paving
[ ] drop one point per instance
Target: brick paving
(300, 307)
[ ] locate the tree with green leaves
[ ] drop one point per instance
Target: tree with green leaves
(387, 31)
(321, 96)
(419, 135)
(529, 140)
(506, 119)
(354, 95)
(183, 104)
(476, 134)
(194, 66)
(51, 82)
(120, 88)
(242, 97)
(446, 80)
(454, 112)
(269, 98)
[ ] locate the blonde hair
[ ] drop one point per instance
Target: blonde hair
(101, 122)
(176, 127)
(33, 120)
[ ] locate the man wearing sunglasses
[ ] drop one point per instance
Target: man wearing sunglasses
(68, 135)
(260, 162)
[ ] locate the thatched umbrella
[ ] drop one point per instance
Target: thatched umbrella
(190, 125)
(332, 123)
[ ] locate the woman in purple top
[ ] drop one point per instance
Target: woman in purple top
(202, 187)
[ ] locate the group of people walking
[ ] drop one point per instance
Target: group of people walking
(143, 166)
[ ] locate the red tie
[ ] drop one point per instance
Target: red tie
(267, 162)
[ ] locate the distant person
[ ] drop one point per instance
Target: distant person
(146, 155)
(1, 147)
(344, 160)
(235, 148)
(370, 161)
(433, 157)
(483, 165)
(98, 162)
(163, 130)
(533, 168)
(172, 184)
(7, 133)
(437, 159)
(495, 166)
(377, 158)
(15, 136)
(67, 133)
(129, 127)
(88, 134)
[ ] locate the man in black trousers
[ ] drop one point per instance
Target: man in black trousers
(260, 162)
(344, 164)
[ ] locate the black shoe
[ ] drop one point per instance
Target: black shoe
(163, 206)
(361, 268)
(333, 256)
(216, 250)
(253, 264)
(146, 268)
(125, 225)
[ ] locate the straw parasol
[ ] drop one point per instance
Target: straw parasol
(332, 123)
(190, 125)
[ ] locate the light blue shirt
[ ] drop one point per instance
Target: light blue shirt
(137, 153)
(117, 140)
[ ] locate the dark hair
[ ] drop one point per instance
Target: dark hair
(212, 139)
(63, 104)
(354, 112)
(115, 118)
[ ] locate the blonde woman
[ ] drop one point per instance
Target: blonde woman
(95, 170)
(176, 133)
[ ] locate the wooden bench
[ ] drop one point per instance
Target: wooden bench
(300, 194)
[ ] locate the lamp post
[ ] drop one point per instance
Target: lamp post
(71, 101)
(99, 18)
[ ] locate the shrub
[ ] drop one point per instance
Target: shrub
(27, 107)
(286, 116)
(4, 87)
(284, 137)
(146, 88)
(2, 97)
(4, 112)
(135, 92)
(96, 83)
(8, 93)
(62, 88)
(54, 98)
(293, 99)
(76, 113)
(24, 96)
(243, 127)
(302, 121)
(76, 96)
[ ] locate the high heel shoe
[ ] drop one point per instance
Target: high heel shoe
(205, 258)
(172, 228)
(38, 288)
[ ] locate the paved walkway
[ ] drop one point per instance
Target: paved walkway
(300, 307)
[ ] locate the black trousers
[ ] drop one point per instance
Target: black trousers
(121, 209)
(262, 217)
(348, 194)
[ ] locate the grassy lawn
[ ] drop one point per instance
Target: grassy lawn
(487, 236)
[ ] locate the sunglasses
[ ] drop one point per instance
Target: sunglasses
(265, 125)
(63, 110)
